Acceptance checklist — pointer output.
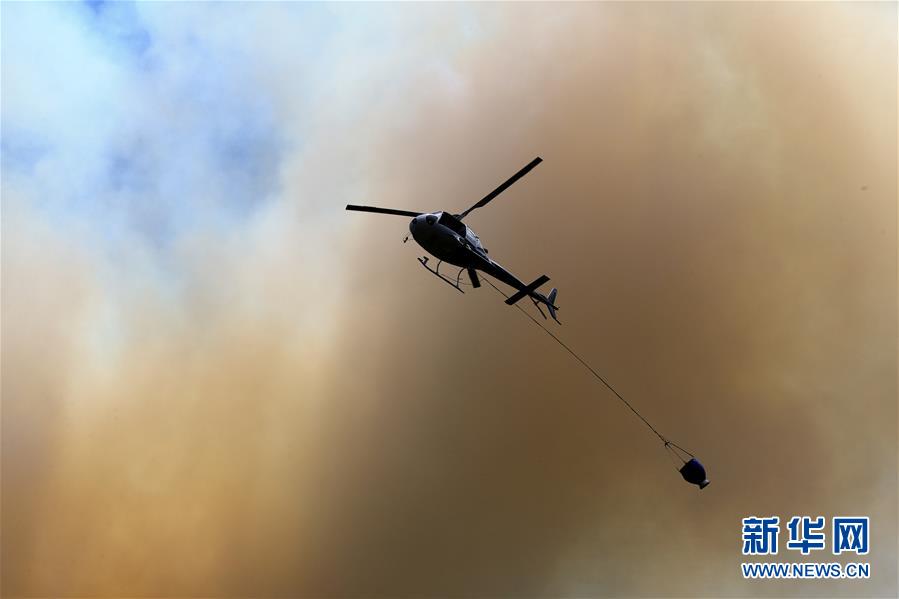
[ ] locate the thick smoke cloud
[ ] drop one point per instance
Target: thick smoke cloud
(237, 389)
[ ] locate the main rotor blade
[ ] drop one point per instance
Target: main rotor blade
(505, 185)
(382, 210)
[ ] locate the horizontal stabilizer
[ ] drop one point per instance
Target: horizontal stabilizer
(527, 290)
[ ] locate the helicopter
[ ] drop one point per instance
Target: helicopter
(444, 236)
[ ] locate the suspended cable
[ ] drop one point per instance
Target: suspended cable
(691, 469)
(598, 376)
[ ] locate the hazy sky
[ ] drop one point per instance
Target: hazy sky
(216, 382)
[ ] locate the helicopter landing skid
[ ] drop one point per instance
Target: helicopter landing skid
(436, 271)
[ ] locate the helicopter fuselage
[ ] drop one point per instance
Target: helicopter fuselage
(449, 239)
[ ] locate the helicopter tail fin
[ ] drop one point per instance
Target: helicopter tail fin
(551, 303)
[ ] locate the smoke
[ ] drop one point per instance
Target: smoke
(231, 387)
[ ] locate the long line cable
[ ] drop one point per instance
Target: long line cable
(592, 370)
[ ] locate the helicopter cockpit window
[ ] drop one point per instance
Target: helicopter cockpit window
(452, 223)
(431, 219)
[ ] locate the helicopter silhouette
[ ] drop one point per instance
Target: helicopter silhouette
(447, 238)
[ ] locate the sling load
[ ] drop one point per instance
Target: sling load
(691, 469)
(694, 473)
